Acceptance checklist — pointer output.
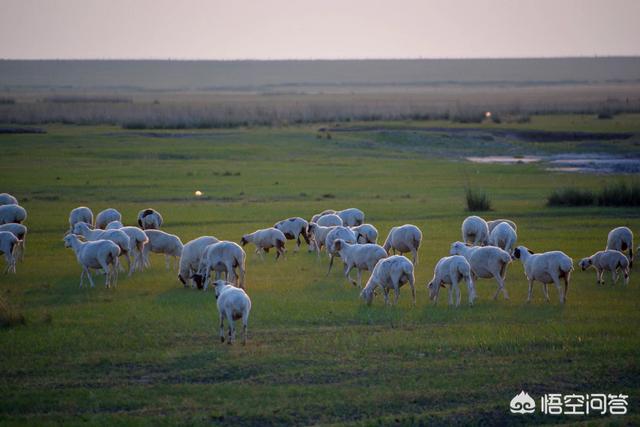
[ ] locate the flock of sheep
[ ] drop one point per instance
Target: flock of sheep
(486, 250)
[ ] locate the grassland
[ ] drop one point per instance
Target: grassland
(147, 352)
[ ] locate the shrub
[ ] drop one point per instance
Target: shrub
(477, 200)
(571, 197)
(620, 194)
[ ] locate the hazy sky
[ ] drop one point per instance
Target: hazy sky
(276, 29)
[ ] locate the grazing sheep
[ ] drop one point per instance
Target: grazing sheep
(118, 237)
(233, 303)
(20, 231)
(114, 225)
(315, 218)
(138, 240)
(359, 256)
(495, 222)
(390, 273)
(503, 236)
(162, 243)
(293, 228)
(450, 271)
(222, 257)
(475, 231)
(351, 217)
(609, 260)
(10, 248)
(318, 235)
(547, 267)
(343, 233)
(404, 239)
(106, 216)
(366, 233)
(191, 256)
(7, 199)
(621, 239)
(330, 220)
(95, 255)
(12, 214)
(149, 219)
(266, 239)
(80, 214)
(485, 262)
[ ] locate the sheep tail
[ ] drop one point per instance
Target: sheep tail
(566, 265)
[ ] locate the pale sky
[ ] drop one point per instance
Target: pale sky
(279, 29)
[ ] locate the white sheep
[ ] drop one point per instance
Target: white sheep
(191, 256)
(20, 231)
(362, 257)
(315, 218)
(162, 243)
(351, 217)
(7, 199)
(106, 216)
(114, 225)
(330, 220)
(547, 267)
(266, 239)
(336, 233)
(234, 304)
(99, 254)
(366, 233)
(475, 231)
(390, 273)
(504, 237)
(12, 214)
(118, 237)
(621, 239)
(405, 238)
(138, 240)
(293, 228)
(149, 219)
(609, 260)
(10, 248)
(222, 257)
(485, 262)
(80, 214)
(318, 235)
(495, 222)
(450, 271)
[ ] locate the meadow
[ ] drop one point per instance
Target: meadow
(147, 352)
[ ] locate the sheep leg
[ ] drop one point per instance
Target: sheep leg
(330, 264)
(359, 279)
(347, 270)
(556, 281)
(385, 293)
(414, 254)
(458, 294)
(297, 244)
(545, 289)
(81, 277)
(396, 291)
(472, 290)
(626, 276)
(115, 276)
(221, 327)
(530, 293)
(614, 276)
(232, 329)
(450, 294)
(245, 323)
(501, 287)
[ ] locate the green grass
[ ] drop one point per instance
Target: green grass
(148, 353)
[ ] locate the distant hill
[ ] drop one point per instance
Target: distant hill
(255, 75)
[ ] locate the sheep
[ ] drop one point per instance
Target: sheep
(366, 233)
(266, 239)
(485, 262)
(451, 270)
(315, 218)
(330, 220)
(93, 255)
(495, 222)
(7, 199)
(609, 260)
(343, 233)
(10, 248)
(138, 240)
(547, 267)
(12, 214)
(191, 256)
(162, 243)
(318, 234)
(222, 257)
(351, 217)
(114, 225)
(405, 238)
(503, 236)
(106, 216)
(475, 231)
(359, 256)
(233, 303)
(119, 237)
(80, 214)
(293, 228)
(392, 272)
(20, 231)
(621, 239)
(149, 219)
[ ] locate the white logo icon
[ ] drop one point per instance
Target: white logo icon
(522, 404)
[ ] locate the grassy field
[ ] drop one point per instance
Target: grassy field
(148, 352)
